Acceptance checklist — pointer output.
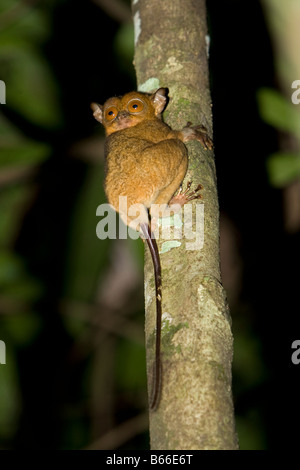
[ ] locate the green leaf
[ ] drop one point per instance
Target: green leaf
(86, 253)
(17, 150)
(20, 20)
(130, 365)
(21, 328)
(30, 88)
(23, 153)
(124, 41)
(15, 282)
(10, 403)
(10, 267)
(124, 49)
(25, 289)
(12, 201)
(277, 111)
(8, 130)
(75, 318)
(283, 168)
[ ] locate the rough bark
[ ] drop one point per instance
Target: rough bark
(196, 408)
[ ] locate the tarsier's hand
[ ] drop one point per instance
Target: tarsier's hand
(197, 133)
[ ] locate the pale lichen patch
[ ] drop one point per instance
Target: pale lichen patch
(149, 85)
(172, 66)
(169, 245)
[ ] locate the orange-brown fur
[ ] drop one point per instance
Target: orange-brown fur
(146, 161)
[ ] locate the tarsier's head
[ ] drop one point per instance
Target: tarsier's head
(129, 110)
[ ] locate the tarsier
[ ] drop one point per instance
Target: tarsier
(146, 161)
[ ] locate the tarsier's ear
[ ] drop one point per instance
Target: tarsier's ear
(159, 100)
(97, 111)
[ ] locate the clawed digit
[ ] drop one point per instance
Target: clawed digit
(187, 195)
(194, 194)
(189, 184)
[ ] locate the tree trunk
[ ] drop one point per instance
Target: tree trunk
(196, 408)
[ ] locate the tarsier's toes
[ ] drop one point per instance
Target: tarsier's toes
(191, 195)
(204, 137)
(189, 184)
(208, 143)
(182, 197)
(200, 128)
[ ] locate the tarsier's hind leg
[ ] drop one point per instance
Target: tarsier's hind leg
(166, 194)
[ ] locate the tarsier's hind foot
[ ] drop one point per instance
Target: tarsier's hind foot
(198, 133)
(182, 197)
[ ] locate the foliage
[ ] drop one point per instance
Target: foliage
(75, 366)
(276, 110)
(33, 135)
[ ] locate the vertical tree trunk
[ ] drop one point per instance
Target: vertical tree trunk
(196, 409)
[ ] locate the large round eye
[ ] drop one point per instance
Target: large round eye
(135, 106)
(111, 113)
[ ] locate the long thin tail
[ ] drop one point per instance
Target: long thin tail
(155, 394)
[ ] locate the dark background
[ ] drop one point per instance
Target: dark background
(75, 357)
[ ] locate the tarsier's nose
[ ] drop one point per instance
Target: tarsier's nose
(123, 114)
